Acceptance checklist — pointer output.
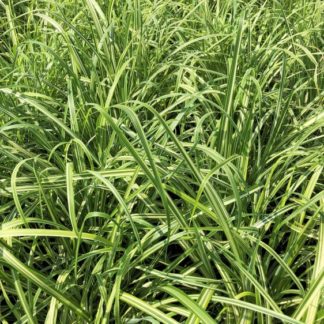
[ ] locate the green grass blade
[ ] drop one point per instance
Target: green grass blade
(146, 308)
(41, 281)
(189, 303)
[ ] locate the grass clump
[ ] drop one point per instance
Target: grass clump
(161, 161)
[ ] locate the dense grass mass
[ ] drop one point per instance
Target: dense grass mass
(161, 161)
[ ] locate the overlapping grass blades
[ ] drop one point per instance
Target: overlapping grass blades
(161, 161)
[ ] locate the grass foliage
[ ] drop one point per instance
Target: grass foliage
(161, 161)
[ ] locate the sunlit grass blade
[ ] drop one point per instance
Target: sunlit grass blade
(188, 303)
(146, 308)
(40, 281)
